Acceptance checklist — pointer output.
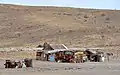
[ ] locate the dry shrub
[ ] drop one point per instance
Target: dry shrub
(70, 30)
(39, 10)
(68, 14)
(107, 18)
(102, 14)
(85, 16)
(85, 20)
(102, 36)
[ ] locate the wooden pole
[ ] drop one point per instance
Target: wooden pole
(117, 54)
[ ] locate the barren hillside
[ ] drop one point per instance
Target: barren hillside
(30, 26)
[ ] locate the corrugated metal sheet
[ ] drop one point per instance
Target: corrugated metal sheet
(58, 46)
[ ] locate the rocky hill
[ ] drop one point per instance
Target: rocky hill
(33, 25)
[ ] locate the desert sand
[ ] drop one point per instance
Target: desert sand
(111, 67)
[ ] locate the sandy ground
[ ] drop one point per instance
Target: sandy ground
(51, 68)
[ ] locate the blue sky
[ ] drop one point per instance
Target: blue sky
(101, 4)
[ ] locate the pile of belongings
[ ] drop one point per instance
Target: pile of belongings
(80, 57)
(18, 64)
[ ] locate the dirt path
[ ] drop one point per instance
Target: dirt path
(45, 68)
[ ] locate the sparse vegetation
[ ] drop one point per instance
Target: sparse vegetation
(103, 14)
(39, 9)
(85, 16)
(102, 36)
(107, 18)
(59, 31)
(70, 30)
(85, 20)
(51, 21)
(67, 14)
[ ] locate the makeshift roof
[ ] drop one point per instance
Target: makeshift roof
(47, 46)
(58, 46)
(56, 50)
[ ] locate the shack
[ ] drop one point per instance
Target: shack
(47, 50)
(61, 53)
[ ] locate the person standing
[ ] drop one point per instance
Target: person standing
(23, 64)
(108, 56)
